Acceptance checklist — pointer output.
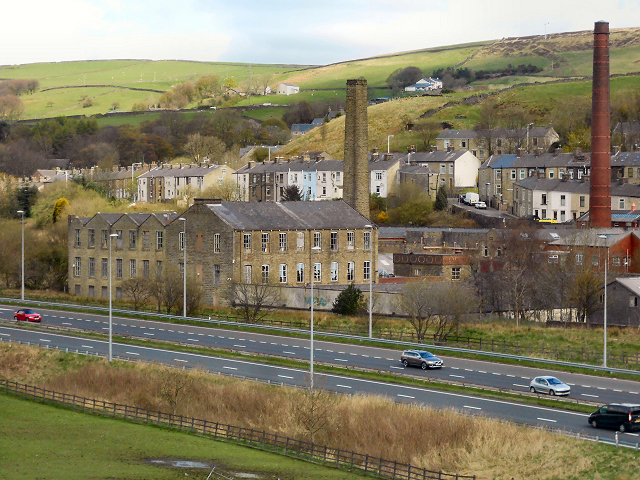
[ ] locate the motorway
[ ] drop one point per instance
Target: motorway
(596, 389)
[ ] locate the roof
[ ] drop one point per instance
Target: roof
(544, 160)
(289, 215)
(534, 132)
(593, 237)
(401, 232)
(417, 169)
(193, 170)
(630, 283)
(302, 127)
(554, 184)
(627, 127)
(439, 156)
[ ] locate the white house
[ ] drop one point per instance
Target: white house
(456, 169)
(287, 89)
(424, 84)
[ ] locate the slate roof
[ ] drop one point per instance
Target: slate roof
(535, 132)
(554, 184)
(310, 166)
(401, 232)
(188, 171)
(289, 215)
(439, 156)
(630, 283)
(591, 237)
(418, 169)
(627, 127)
(302, 127)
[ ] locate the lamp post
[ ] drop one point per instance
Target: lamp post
(110, 300)
(370, 279)
(605, 299)
(21, 212)
(313, 274)
(184, 266)
(388, 137)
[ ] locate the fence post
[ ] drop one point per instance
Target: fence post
(366, 463)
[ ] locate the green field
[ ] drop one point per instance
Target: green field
(41, 441)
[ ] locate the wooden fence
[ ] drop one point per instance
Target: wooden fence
(262, 440)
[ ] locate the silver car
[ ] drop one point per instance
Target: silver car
(420, 358)
(550, 385)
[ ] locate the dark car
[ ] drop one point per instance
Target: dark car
(624, 417)
(420, 358)
(27, 314)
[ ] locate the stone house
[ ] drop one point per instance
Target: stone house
(623, 303)
(454, 170)
(226, 243)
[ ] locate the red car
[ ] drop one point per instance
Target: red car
(27, 314)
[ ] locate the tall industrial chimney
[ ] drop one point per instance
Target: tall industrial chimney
(600, 195)
(356, 184)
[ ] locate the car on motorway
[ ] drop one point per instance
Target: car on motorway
(481, 205)
(26, 314)
(420, 358)
(624, 417)
(550, 385)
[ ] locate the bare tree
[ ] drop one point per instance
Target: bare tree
(138, 290)
(173, 386)
(200, 147)
(488, 119)
(167, 289)
(254, 300)
(194, 295)
(228, 190)
(313, 411)
(454, 301)
(416, 303)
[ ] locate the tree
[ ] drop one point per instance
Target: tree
(58, 208)
(204, 147)
(11, 107)
(254, 300)
(401, 78)
(207, 86)
(167, 289)
(441, 199)
(291, 193)
(453, 302)
(194, 295)
(349, 301)
(227, 191)
(488, 118)
(313, 411)
(415, 302)
(138, 290)
(173, 387)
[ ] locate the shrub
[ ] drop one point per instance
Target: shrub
(349, 302)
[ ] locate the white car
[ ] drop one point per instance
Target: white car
(481, 205)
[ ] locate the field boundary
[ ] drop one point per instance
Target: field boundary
(259, 439)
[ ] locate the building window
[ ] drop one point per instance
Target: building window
(334, 241)
(119, 293)
(76, 267)
(351, 271)
(78, 290)
(159, 240)
(317, 272)
(105, 268)
(499, 252)
(630, 172)
(513, 174)
(145, 240)
(283, 273)
(181, 241)
(92, 238)
(621, 204)
(216, 243)
(132, 239)
(463, 143)
(378, 175)
(633, 301)
(443, 169)
(579, 258)
(76, 243)
(582, 200)
(616, 261)
(300, 241)
(485, 252)
(104, 292)
(544, 199)
(334, 271)
(216, 274)
(159, 268)
(367, 270)
(181, 266)
(337, 176)
(283, 241)
(247, 242)
(455, 273)
(367, 240)
(247, 274)
(551, 174)
(132, 268)
(522, 173)
(92, 268)
(317, 239)
(105, 236)
(595, 261)
(118, 268)
(563, 200)
(265, 243)
(118, 238)
(265, 274)
(300, 273)
(145, 268)
(351, 240)
(553, 259)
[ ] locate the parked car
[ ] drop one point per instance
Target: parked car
(550, 385)
(27, 314)
(420, 358)
(624, 417)
(481, 205)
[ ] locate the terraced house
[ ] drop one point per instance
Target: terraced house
(226, 243)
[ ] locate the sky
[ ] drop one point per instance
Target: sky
(306, 32)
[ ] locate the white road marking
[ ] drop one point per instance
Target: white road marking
(298, 346)
(5, 334)
(546, 420)
(472, 408)
(172, 331)
(44, 340)
(86, 346)
(192, 340)
(132, 353)
(405, 396)
(454, 368)
(397, 368)
(161, 329)
(390, 359)
(180, 332)
(180, 360)
(330, 351)
(341, 353)
(378, 358)
(618, 391)
(587, 395)
(240, 346)
(343, 386)
(363, 355)
(480, 371)
(494, 373)
(142, 326)
(230, 368)
(512, 376)
(65, 323)
(456, 376)
(469, 369)
(601, 388)
(151, 328)
(518, 385)
(285, 345)
(122, 324)
(150, 334)
(249, 340)
(289, 353)
(633, 393)
(284, 376)
(260, 341)
(341, 360)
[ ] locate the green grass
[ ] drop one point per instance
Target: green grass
(41, 441)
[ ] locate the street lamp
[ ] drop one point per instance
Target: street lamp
(21, 212)
(313, 274)
(110, 300)
(605, 299)
(388, 137)
(370, 279)
(184, 266)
